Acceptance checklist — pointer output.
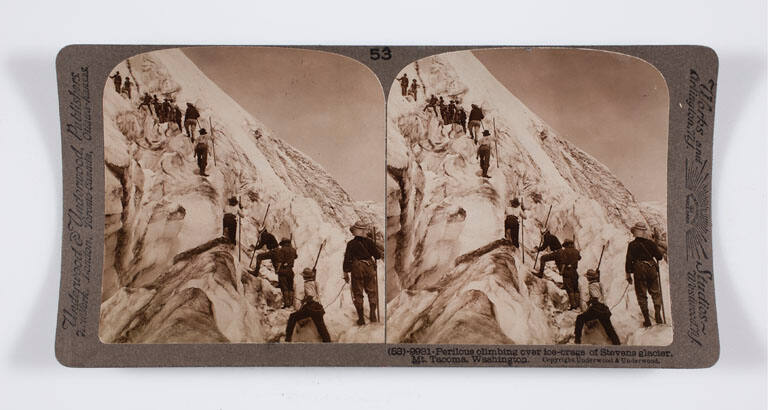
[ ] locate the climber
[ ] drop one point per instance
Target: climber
(404, 84)
(310, 308)
(177, 116)
(231, 212)
(282, 259)
(190, 120)
(484, 153)
(461, 118)
(146, 100)
(514, 213)
(414, 90)
(201, 153)
(596, 310)
(548, 241)
(475, 121)
(266, 239)
(567, 260)
(127, 87)
(167, 111)
(360, 260)
(443, 109)
(118, 81)
(432, 103)
(156, 106)
(450, 111)
(642, 260)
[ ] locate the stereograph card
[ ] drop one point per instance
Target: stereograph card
(387, 206)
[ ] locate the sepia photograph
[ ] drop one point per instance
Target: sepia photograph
(244, 198)
(527, 199)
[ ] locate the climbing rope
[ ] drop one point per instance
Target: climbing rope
(337, 296)
(622, 296)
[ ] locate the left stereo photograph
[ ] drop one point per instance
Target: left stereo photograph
(241, 183)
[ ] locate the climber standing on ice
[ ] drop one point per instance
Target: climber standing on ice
(201, 153)
(190, 120)
(461, 117)
(597, 310)
(127, 87)
(177, 116)
(451, 112)
(414, 90)
(642, 260)
(118, 81)
(432, 103)
(514, 213)
(548, 241)
(484, 153)
(360, 260)
(146, 100)
(229, 223)
(310, 308)
(282, 259)
(567, 260)
(475, 121)
(404, 84)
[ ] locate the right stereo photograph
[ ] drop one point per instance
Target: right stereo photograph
(527, 199)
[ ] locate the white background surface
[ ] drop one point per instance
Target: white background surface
(30, 219)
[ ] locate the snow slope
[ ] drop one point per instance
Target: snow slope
(166, 277)
(450, 278)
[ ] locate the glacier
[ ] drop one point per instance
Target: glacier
(451, 277)
(167, 278)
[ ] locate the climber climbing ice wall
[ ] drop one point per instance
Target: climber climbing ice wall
(211, 151)
(487, 150)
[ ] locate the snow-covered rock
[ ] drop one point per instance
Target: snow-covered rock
(451, 278)
(167, 278)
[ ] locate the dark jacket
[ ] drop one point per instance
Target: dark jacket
(201, 150)
(566, 259)
(192, 113)
(550, 241)
(641, 249)
(476, 114)
(359, 248)
(282, 258)
(266, 239)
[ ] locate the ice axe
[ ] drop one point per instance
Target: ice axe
(317, 258)
(542, 238)
(263, 222)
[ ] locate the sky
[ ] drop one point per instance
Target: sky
(328, 106)
(613, 106)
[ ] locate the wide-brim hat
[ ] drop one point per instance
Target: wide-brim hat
(358, 226)
(486, 133)
(203, 131)
(285, 242)
(567, 243)
(591, 274)
(308, 273)
(638, 227)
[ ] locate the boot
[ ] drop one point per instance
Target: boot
(360, 315)
(288, 299)
(373, 313)
(647, 319)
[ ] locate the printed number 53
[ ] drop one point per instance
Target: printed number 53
(381, 53)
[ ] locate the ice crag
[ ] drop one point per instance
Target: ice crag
(451, 278)
(168, 275)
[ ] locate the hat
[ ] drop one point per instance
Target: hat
(591, 274)
(203, 131)
(568, 243)
(515, 202)
(638, 227)
(358, 226)
(486, 133)
(285, 242)
(308, 273)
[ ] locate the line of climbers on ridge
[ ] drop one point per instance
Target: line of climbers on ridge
(641, 269)
(168, 112)
(359, 265)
